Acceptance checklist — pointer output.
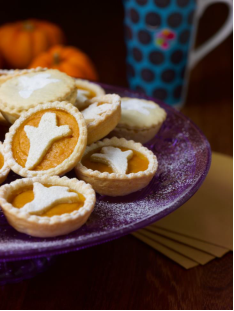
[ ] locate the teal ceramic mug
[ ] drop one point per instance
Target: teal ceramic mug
(160, 37)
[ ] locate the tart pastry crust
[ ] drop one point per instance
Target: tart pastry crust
(116, 184)
(140, 124)
(69, 162)
(101, 125)
(141, 136)
(45, 226)
(6, 74)
(4, 170)
(82, 100)
(12, 93)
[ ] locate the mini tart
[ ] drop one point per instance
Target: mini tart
(27, 90)
(62, 155)
(140, 126)
(116, 184)
(88, 91)
(54, 222)
(4, 168)
(101, 124)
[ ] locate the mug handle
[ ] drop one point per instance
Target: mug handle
(221, 35)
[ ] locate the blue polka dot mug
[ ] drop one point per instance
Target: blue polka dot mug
(159, 36)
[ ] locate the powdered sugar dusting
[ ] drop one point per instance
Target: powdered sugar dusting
(93, 112)
(136, 104)
(27, 85)
(183, 156)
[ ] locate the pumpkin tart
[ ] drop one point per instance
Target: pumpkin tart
(46, 140)
(101, 116)
(116, 167)
(26, 90)
(47, 206)
(140, 119)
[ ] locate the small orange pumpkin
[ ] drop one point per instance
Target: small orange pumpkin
(69, 59)
(21, 41)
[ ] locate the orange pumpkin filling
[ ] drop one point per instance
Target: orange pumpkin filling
(136, 164)
(1, 161)
(20, 199)
(90, 94)
(58, 152)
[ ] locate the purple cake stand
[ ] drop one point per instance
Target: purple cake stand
(184, 158)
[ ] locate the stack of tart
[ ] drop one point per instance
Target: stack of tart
(58, 124)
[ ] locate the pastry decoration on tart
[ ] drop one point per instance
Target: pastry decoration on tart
(116, 167)
(4, 168)
(85, 92)
(47, 206)
(102, 116)
(30, 89)
(140, 120)
(46, 140)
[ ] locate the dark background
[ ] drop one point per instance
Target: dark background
(96, 27)
(127, 273)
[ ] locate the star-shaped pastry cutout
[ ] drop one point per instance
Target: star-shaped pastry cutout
(42, 137)
(46, 198)
(114, 157)
(30, 84)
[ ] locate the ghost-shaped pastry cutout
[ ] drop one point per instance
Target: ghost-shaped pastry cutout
(46, 198)
(42, 137)
(114, 157)
(30, 84)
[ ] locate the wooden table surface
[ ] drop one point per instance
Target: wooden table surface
(125, 273)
